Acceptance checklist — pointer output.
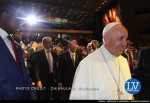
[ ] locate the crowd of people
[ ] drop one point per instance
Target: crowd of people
(53, 65)
(48, 70)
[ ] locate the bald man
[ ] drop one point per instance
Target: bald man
(43, 66)
(102, 74)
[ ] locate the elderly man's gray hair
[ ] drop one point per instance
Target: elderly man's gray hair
(47, 38)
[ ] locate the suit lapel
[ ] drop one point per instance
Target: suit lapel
(18, 54)
(43, 56)
(6, 50)
(70, 59)
(77, 59)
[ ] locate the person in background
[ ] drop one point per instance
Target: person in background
(143, 74)
(68, 63)
(83, 51)
(43, 65)
(92, 46)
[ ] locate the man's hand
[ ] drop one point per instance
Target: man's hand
(39, 84)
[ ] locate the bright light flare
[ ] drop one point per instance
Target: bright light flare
(31, 19)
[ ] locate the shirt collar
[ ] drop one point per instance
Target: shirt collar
(71, 52)
(3, 33)
(107, 54)
(47, 50)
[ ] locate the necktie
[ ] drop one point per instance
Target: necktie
(15, 51)
(73, 58)
(50, 61)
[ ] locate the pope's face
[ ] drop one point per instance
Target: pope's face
(119, 40)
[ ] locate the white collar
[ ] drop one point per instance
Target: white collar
(107, 54)
(3, 33)
(47, 50)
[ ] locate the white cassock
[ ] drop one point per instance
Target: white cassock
(99, 76)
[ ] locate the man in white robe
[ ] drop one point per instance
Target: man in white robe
(103, 73)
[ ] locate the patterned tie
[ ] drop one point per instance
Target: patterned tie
(15, 51)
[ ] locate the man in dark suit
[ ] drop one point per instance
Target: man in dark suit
(68, 63)
(43, 64)
(143, 74)
(15, 83)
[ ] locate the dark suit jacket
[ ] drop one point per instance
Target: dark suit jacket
(67, 68)
(40, 67)
(144, 62)
(143, 74)
(12, 76)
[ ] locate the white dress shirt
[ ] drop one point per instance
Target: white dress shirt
(4, 35)
(94, 79)
(49, 59)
